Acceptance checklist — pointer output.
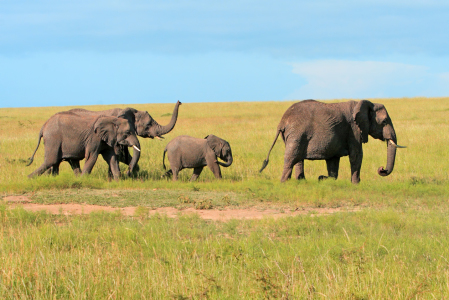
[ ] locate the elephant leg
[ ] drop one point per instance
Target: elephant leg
(299, 170)
(333, 165)
(75, 165)
(49, 161)
(196, 172)
(55, 169)
(91, 159)
(126, 158)
(114, 168)
(356, 164)
(175, 172)
(39, 171)
(291, 158)
(215, 168)
(112, 160)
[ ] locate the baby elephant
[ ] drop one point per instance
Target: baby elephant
(189, 152)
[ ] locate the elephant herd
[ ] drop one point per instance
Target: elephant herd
(311, 130)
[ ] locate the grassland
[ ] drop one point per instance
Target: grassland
(394, 246)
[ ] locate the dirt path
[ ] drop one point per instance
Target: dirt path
(171, 212)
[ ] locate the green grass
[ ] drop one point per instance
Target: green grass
(394, 246)
(376, 254)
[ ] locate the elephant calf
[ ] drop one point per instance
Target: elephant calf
(189, 152)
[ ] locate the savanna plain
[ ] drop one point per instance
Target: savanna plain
(385, 238)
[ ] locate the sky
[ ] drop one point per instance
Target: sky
(87, 52)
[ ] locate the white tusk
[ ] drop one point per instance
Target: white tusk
(397, 146)
(135, 147)
(159, 138)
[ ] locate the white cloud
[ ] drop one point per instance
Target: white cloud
(331, 79)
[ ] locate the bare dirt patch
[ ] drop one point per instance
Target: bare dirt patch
(171, 212)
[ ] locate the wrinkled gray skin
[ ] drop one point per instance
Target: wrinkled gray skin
(327, 131)
(144, 125)
(189, 152)
(69, 136)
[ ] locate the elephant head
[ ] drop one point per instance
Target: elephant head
(373, 119)
(147, 127)
(221, 148)
(115, 131)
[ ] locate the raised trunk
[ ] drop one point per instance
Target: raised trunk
(391, 156)
(227, 163)
(159, 130)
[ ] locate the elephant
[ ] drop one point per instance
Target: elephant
(315, 130)
(189, 152)
(144, 125)
(69, 136)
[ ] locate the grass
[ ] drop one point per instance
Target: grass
(393, 246)
(376, 254)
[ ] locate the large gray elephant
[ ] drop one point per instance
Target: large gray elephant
(189, 152)
(315, 131)
(69, 136)
(144, 125)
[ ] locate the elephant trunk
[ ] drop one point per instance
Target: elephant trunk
(159, 130)
(134, 142)
(228, 161)
(391, 156)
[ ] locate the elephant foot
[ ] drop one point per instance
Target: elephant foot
(167, 174)
(322, 177)
(133, 172)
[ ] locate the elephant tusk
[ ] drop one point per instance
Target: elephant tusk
(159, 138)
(397, 146)
(135, 147)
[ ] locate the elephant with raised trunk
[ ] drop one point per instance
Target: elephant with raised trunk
(71, 137)
(189, 152)
(144, 125)
(315, 131)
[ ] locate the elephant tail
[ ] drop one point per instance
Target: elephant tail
(30, 160)
(265, 162)
(163, 159)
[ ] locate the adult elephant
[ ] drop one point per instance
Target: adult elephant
(69, 136)
(144, 125)
(315, 131)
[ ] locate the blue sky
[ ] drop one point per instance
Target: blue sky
(60, 52)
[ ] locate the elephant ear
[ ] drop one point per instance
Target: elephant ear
(106, 128)
(215, 143)
(130, 115)
(361, 115)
